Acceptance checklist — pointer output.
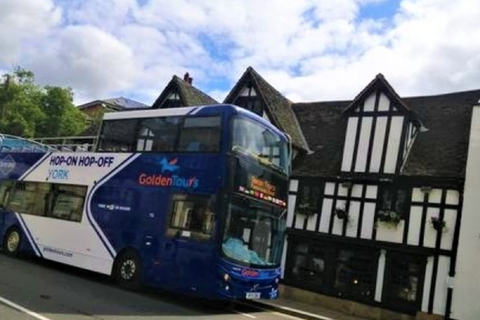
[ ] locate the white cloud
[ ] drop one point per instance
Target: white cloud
(87, 59)
(23, 22)
(308, 49)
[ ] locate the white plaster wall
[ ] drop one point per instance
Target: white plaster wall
(393, 144)
(380, 275)
(384, 102)
(291, 210)
(353, 215)
(466, 290)
(329, 188)
(368, 221)
(364, 141)
(378, 142)
(312, 222)
(427, 284)
(414, 226)
(389, 233)
(369, 103)
(349, 143)
(440, 302)
(326, 215)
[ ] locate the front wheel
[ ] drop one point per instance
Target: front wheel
(12, 241)
(127, 270)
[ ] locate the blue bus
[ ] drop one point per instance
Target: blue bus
(192, 200)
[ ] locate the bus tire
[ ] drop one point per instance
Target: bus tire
(12, 241)
(127, 271)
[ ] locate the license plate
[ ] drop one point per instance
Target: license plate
(253, 295)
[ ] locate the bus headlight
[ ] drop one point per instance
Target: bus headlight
(227, 288)
(277, 280)
(226, 277)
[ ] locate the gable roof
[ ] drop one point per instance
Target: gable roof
(119, 103)
(189, 95)
(439, 152)
(378, 83)
(277, 106)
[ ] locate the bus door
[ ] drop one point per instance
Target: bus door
(190, 244)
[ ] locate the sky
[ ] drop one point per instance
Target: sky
(310, 50)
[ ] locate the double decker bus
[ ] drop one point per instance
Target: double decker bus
(191, 200)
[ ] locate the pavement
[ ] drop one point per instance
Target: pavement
(303, 310)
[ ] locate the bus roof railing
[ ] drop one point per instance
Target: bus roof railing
(69, 143)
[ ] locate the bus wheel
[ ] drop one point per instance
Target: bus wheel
(12, 241)
(127, 270)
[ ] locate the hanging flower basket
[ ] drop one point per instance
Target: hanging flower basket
(389, 217)
(436, 223)
(341, 213)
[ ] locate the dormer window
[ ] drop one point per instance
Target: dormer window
(248, 100)
(173, 101)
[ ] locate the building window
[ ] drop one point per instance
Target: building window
(308, 198)
(308, 265)
(355, 274)
(336, 270)
(404, 281)
(248, 100)
(172, 101)
(394, 199)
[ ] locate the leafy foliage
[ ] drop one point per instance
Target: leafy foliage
(30, 110)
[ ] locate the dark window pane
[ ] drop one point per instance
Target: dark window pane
(118, 135)
(405, 273)
(355, 274)
(158, 134)
(200, 135)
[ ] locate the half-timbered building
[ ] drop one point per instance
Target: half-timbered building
(378, 198)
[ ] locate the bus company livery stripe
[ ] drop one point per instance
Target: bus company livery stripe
(36, 165)
(94, 224)
(28, 234)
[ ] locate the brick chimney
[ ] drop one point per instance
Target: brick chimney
(187, 78)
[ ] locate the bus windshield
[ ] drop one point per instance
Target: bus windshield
(253, 138)
(254, 233)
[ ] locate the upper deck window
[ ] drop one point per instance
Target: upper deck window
(118, 135)
(257, 140)
(158, 134)
(200, 134)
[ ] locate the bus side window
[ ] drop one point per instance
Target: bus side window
(68, 202)
(44, 199)
(200, 134)
(118, 135)
(29, 198)
(5, 192)
(158, 134)
(191, 217)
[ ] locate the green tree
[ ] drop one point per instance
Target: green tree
(30, 110)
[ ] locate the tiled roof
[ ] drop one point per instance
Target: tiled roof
(189, 95)
(324, 129)
(119, 103)
(378, 82)
(439, 152)
(442, 150)
(126, 103)
(278, 107)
